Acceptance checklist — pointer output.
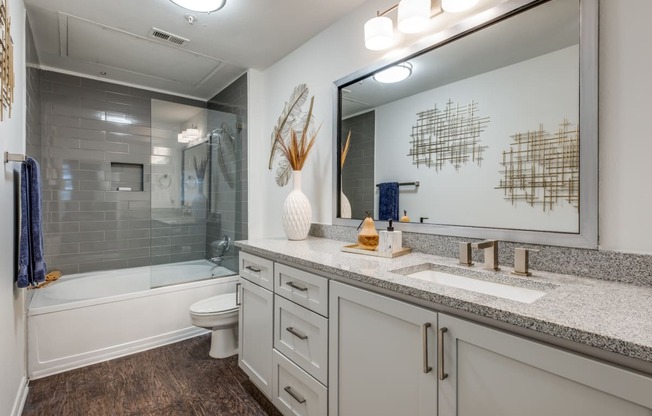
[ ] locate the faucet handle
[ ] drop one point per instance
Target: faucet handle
(521, 260)
(465, 253)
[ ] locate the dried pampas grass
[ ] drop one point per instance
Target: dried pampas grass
(297, 148)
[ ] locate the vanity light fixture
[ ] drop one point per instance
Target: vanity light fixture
(200, 6)
(379, 33)
(396, 73)
(413, 17)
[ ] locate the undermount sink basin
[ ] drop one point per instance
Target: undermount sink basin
(501, 290)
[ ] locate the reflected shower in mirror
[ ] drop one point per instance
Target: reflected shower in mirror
(487, 124)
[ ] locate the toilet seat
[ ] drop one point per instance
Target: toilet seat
(215, 306)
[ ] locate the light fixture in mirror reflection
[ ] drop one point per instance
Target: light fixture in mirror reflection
(395, 73)
(487, 126)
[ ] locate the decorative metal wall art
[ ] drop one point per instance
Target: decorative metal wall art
(6, 61)
(543, 168)
(448, 136)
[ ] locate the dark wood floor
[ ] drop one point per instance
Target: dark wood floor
(176, 380)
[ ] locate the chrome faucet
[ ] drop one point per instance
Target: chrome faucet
(220, 248)
(490, 253)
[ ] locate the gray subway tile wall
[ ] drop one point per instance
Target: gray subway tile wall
(33, 96)
(86, 125)
(358, 171)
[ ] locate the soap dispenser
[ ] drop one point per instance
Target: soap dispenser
(390, 240)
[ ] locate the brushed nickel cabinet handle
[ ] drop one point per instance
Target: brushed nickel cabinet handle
(294, 395)
(253, 269)
(440, 353)
(237, 293)
(296, 333)
(424, 339)
(296, 286)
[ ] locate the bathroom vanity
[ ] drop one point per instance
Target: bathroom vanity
(399, 343)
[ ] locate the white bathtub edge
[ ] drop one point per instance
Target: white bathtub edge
(133, 295)
(21, 398)
(98, 356)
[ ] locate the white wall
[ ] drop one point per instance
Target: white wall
(333, 54)
(12, 303)
(625, 146)
(516, 99)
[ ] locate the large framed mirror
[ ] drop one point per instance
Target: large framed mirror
(483, 138)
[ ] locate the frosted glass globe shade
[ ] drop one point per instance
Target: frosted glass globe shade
(413, 15)
(201, 6)
(378, 33)
(455, 6)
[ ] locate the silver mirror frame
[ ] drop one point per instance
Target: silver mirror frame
(587, 237)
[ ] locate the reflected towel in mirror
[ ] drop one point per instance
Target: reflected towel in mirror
(388, 201)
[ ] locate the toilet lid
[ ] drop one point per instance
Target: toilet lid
(216, 304)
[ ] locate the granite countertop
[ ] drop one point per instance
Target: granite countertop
(615, 317)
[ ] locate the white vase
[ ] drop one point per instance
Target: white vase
(345, 206)
(297, 212)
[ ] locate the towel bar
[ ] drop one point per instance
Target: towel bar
(405, 184)
(14, 157)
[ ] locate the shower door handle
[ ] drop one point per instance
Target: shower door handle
(237, 294)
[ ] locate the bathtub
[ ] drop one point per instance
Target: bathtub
(87, 318)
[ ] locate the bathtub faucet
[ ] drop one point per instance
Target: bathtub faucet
(220, 248)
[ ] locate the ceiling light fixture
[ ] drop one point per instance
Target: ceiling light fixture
(413, 17)
(200, 6)
(396, 73)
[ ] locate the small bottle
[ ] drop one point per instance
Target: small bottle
(390, 241)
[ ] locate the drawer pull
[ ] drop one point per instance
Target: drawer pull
(440, 353)
(424, 339)
(294, 395)
(296, 286)
(237, 294)
(296, 333)
(253, 269)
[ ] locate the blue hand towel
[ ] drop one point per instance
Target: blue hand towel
(31, 262)
(388, 201)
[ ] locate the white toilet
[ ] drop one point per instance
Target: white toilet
(219, 314)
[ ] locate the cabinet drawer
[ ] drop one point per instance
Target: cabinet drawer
(302, 336)
(257, 270)
(295, 392)
(303, 288)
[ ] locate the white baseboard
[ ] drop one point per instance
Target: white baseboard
(98, 356)
(21, 397)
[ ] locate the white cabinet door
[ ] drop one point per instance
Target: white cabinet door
(492, 373)
(378, 348)
(255, 332)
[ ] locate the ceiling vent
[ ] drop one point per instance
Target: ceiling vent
(168, 37)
